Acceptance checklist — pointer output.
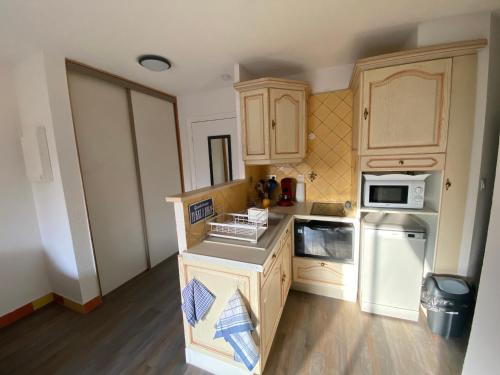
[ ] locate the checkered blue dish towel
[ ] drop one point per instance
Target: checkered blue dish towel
(235, 326)
(197, 300)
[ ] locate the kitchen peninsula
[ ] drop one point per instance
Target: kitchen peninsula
(261, 272)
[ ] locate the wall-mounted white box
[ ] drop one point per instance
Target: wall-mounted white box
(36, 155)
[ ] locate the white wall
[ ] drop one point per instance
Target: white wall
(57, 86)
(484, 341)
(43, 99)
(327, 79)
(454, 29)
(23, 274)
(197, 107)
(488, 157)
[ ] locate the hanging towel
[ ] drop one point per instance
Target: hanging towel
(235, 326)
(197, 300)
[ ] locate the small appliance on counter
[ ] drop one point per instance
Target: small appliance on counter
(394, 190)
(286, 198)
(300, 190)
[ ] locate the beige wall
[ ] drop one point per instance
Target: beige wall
(329, 153)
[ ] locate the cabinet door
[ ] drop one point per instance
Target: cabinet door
(405, 108)
(271, 306)
(287, 123)
(255, 124)
(456, 172)
(318, 272)
(286, 278)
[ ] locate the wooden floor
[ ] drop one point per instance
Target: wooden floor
(138, 330)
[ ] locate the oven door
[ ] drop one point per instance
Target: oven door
(324, 240)
(392, 194)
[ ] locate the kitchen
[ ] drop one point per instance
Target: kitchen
(385, 181)
(240, 187)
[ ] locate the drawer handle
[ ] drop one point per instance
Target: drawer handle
(274, 255)
(365, 113)
(323, 264)
(401, 162)
(283, 278)
(273, 124)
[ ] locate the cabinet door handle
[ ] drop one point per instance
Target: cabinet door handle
(401, 162)
(274, 255)
(365, 113)
(447, 184)
(283, 278)
(273, 124)
(323, 264)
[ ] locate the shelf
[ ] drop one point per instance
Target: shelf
(423, 211)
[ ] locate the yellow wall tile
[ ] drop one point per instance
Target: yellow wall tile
(329, 154)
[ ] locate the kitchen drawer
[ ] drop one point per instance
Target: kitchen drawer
(427, 162)
(287, 233)
(318, 272)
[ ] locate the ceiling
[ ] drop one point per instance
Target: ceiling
(204, 38)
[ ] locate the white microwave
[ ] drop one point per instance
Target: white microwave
(394, 191)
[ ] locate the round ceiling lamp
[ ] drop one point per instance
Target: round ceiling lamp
(154, 62)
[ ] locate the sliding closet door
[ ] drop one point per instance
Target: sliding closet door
(105, 146)
(155, 132)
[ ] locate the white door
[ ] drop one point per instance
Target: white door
(155, 132)
(200, 131)
(107, 161)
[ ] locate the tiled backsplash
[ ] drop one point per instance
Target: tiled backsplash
(328, 149)
(232, 198)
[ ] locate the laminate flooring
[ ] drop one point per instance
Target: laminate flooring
(138, 330)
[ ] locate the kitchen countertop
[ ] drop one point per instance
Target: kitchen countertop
(241, 256)
(246, 257)
(303, 211)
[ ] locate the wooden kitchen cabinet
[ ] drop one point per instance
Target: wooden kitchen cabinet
(405, 108)
(286, 279)
(264, 293)
(414, 110)
(271, 305)
(273, 115)
(456, 171)
(383, 163)
(332, 279)
(255, 124)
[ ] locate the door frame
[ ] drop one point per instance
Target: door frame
(193, 120)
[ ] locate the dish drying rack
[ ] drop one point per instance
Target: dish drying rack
(239, 226)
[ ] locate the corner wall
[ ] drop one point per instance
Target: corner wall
(23, 273)
(43, 99)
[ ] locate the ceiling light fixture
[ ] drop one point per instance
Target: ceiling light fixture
(154, 62)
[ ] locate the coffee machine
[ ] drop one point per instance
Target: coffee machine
(286, 197)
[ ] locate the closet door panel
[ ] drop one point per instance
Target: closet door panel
(155, 132)
(104, 139)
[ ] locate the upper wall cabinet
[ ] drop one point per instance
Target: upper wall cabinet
(273, 120)
(405, 108)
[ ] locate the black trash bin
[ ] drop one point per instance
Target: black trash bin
(448, 300)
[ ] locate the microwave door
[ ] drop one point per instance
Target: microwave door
(388, 196)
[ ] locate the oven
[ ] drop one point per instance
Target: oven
(329, 240)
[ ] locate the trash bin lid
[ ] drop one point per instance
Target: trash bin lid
(452, 285)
